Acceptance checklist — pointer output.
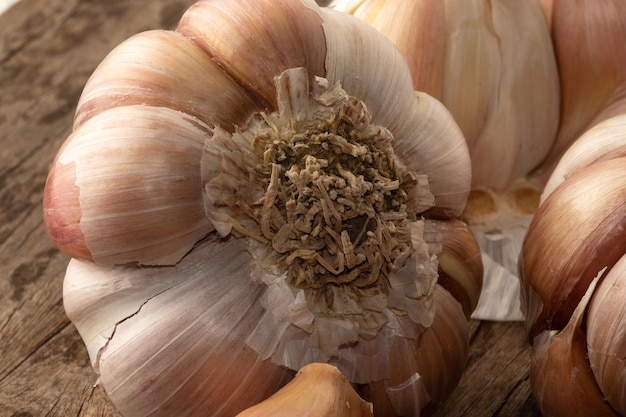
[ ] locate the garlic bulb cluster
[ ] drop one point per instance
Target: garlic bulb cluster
(253, 193)
(492, 64)
(573, 260)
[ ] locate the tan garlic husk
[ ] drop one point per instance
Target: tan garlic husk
(588, 38)
(560, 375)
(577, 231)
(318, 389)
(492, 65)
(264, 207)
(606, 338)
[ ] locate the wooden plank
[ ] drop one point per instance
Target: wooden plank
(48, 49)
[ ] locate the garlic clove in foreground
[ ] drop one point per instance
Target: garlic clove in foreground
(606, 337)
(318, 390)
(560, 376)
(577, 230)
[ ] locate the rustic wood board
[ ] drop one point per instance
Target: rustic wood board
(48, 48)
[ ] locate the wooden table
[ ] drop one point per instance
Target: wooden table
(48, 48)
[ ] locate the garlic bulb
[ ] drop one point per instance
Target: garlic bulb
(252, 193)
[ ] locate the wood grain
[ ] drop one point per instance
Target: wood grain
(48, 49)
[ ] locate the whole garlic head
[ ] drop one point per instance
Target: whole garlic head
(252, 193)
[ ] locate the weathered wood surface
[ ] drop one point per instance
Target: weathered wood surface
(48, 48)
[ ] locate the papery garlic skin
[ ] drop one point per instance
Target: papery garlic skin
(170, 340)
(145, 70)
(588, 41)
(560, 375)
(153, 185)
(554, 276)
(211, 316)
(606, 338)
(605, 140)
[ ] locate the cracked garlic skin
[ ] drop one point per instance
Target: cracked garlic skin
(234, 217)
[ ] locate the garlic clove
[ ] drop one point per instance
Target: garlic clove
(605, 140)
(420, 33)
(444, 348)
(319, 390)
(430, 142)
(170, 340)
(146, 208)
(354, 44)
(560, 375)
(606, 338)
(577, 230)
(460, 262)
(146, 70)
(588, 39)
(521, 106)
(253, 54)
